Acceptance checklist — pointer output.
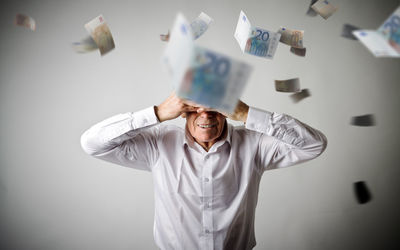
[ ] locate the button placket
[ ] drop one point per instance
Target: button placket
(207, 212)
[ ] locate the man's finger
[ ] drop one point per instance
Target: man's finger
(188, 108)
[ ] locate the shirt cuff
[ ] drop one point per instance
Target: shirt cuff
(144, 118)
(258, 120)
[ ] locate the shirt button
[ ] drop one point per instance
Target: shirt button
(209, 204)
(206, 179)
(207, 231)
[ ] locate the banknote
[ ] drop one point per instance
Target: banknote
(165, 38)
(293, 38)
(198, 26)
(390, 29)
(347, 31)
(101, 34)
(201, 75)
(255, 41)
(376, 43)
(85, 45)
(298, 51)
(304, 93)
(362, 193)
(25, 21)
(324, 8)
(310, 11)
(289, 85)
(363, 120)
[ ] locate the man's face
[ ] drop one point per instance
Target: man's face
(206, 127)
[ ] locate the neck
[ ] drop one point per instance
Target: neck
(206, 145)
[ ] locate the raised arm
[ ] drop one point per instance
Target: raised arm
(283, 140)
(125, 139)
(130, 139)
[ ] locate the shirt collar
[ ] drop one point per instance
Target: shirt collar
(226, 136)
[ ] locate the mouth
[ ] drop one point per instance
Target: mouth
(207, 125)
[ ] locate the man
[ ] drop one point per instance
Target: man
(206, 177)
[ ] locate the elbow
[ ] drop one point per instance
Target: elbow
(321, 147)
(324, 143)
(316, 148)
(85, 144)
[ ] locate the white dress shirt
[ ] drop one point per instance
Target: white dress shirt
(204, 200)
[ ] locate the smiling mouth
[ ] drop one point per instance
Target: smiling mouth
(206, 125)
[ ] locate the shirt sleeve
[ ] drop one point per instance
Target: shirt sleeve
(128, 139)
(283, 140)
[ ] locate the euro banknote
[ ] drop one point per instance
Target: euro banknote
(362, 193)
(363, 120)
(201, 75)
(376, 43)
(255, 41)
(25, 21)
(165, 38)
(289, 85)
(390, 29)
(293, 38)
(347, 31)
(304, 93)
(385, 41)
(198, 26)
(298, 51)
(101, 34)
(85, 45)
(310, 11)
(324, 8)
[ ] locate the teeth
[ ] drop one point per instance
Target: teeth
(206, 126)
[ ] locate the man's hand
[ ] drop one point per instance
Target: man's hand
(240, 113)
(173, 107)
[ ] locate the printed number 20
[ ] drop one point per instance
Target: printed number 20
(220, 66)
(264, 35)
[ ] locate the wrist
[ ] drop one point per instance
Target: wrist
(242, 110)
(157, 113)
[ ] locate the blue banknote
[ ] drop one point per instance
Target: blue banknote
(390, 29)
(255, 41)
(200, 24)
(214, 80)
(201, 75)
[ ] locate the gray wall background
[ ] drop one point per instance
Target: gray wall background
(53, 196)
